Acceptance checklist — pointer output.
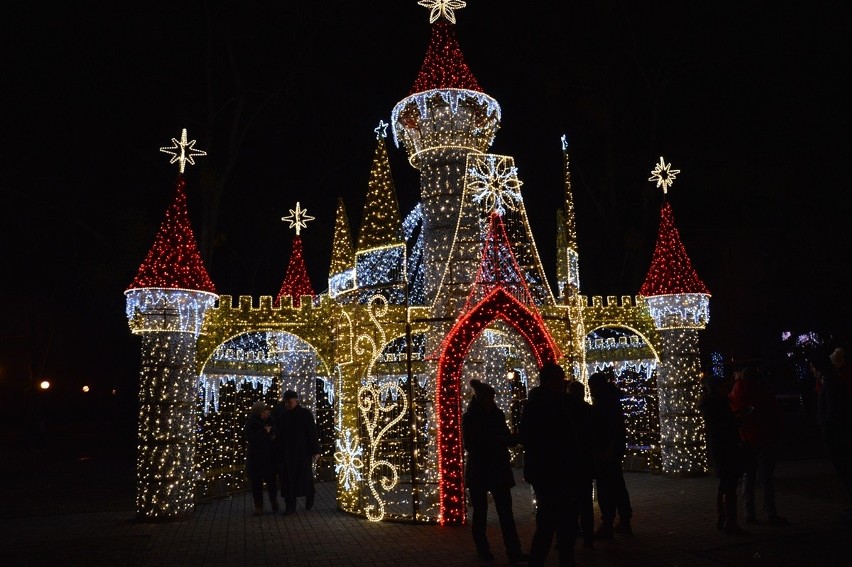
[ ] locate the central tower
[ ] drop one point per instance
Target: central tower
(445, 117)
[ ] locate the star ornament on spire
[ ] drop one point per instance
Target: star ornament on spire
(438, 8)
(298, 218)
(183, 151)
(663, 175)
(381, 130)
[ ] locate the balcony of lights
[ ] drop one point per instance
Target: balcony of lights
(442, 119)
(154, 309)
(680, 310)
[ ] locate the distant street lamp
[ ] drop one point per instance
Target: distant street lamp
(45, 385)
(85, 389)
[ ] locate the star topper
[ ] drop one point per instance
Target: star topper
(663, 175)
(298, 218)
(381, 130)
(564, 143)
(183, 151)
(444, 8)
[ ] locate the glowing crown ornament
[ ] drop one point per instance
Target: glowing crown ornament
(183, 151)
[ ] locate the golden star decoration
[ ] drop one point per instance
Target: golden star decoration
(663, 175)
(183, 151)
(298, 218)
(438, 8)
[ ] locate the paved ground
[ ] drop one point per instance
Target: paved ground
(77, 509)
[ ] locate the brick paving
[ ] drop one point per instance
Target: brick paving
(673, 522)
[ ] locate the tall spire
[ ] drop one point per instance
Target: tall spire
(568, 262)
(342, 256)
(671, 269)
(381, 225)
(174, 262)
(296, 281)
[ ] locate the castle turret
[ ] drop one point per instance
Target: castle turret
(679, 303)
(341, 272)
(445, 118)
(296, 282)
(166, 304)
(380, 257)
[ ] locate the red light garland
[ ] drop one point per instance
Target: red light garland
(444, 66)
(296, 281)
(671, 269)
(497, 304)
(174, 262)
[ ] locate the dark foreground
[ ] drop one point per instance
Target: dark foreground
(74, 505)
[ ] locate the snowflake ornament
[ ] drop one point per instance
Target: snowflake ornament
(183, 151)
(663, 175)
(298, 218)
(495, 184)
(438, 8)
(348, 461)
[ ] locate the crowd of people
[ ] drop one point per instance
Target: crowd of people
(743, 421)
(572, 449)
(568, 445)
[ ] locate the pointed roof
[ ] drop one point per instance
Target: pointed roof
(444, 66)
(671, 269)
(342, 257)
(296, 281)
(174, 262)
(381, 224)
(498, 268)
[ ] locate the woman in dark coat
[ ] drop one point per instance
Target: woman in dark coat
(300, 443)
(487, 439)
(261, 435)
(724, 440)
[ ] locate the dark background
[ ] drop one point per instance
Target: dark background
(749, 100)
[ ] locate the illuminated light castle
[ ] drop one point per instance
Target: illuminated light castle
(415, 308)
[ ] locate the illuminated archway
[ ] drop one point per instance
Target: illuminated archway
(496, 305)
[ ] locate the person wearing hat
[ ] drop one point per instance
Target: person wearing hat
(488, 469)
(552, 464)
(261, 435)
(300, 447)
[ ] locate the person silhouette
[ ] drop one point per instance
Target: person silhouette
(760, 423)
(552, 465)
(585, 500)
(610, 444)
(724, 443)
(488, 468)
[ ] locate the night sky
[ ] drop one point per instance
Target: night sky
(749, 100)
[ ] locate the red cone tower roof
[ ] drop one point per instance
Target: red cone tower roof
(671, 269)
(444, 66)
(296, 281)
(174, 261)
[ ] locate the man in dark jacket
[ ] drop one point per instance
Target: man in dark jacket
(261, 434)
(610, 439)
(300, 444)
(488, 469)
(551, 465)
